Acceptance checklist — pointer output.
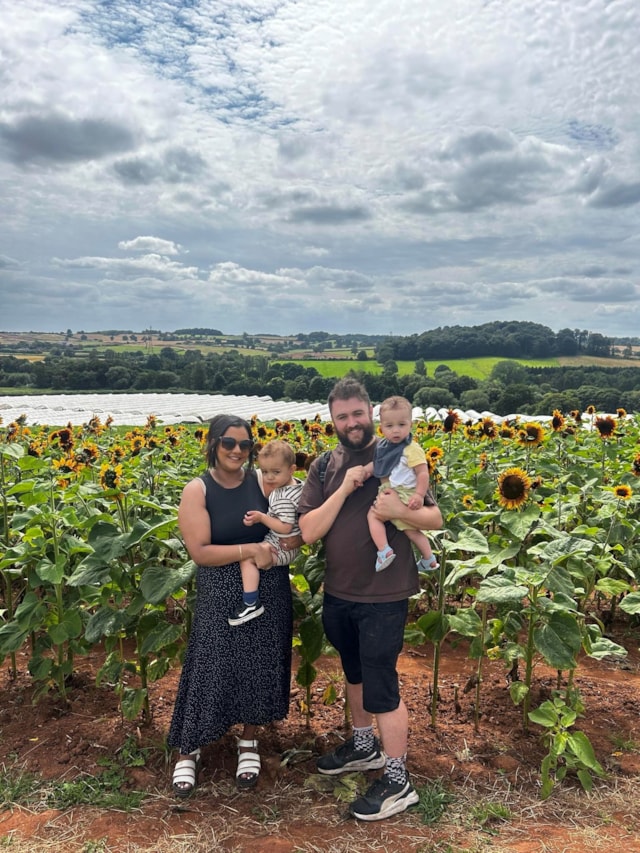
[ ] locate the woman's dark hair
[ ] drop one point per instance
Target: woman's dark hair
(218, 425)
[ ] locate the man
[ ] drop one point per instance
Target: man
(364, 611)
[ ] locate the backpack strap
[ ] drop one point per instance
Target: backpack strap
(322, 466)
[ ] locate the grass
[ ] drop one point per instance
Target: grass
(500, 818)
(476, 368)
(105, 790)
(497, 817)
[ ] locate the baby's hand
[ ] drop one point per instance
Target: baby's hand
(415, 501)
(252, 517)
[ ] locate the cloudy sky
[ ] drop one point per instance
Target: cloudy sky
(372, 166)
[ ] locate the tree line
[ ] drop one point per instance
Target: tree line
(511, 387)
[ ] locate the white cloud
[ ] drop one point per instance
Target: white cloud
(445, 163)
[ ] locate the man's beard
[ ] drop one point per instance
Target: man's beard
(363, 430)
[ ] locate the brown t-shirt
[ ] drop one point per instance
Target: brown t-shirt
(350, 551)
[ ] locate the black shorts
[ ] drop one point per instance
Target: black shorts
(369, 639)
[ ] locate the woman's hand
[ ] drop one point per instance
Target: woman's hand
(264, 556)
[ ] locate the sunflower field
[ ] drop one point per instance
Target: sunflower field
(538, 554)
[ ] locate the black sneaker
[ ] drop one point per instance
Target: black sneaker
(346, 758)
(383, 799)
(245, 613)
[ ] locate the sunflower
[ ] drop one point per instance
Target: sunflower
(576, 414)
(488, 428)
(472, 432)
(622, 492)
(531, 434)
(514, 485)
(558, 421)
(468, 501)
(506, 431)
(606, 426)
(621, 413)
(484, 461)
(110, 475)
(328, 429)
(63, 437)
(434, 453)
(635, 466)
(451, 421)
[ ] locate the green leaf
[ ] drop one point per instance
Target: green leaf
(559, 640)
(90, 572)
(158, 668)
(12, 637)
(162, 635)
(631, 603)
(465, 622)
(472, 541)
(51, 572)
(159, 582)
(103, 623)
(585, 779)
(434, 625)
(612, 586)
(546, 715)
(306, 674)
(311, 635)
(520, 524)
(518, 690)
(132, 702)
(498, 589)
(580, 746)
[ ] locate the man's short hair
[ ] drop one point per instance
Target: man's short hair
(348, 389)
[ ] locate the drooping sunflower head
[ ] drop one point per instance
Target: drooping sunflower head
(622, 492)
(621, 413)
(531, 434)
(557, 421)
(451, 421)
(514, 486)
(576, 414)
(606, 426)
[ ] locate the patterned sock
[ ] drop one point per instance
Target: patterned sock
(250, 597)
(363, 738)
(396, 769)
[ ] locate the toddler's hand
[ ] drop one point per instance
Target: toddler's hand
(252, 517)
(415, 501)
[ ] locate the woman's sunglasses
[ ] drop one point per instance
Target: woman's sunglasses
(229, 443)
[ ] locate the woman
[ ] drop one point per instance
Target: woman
(230, 675)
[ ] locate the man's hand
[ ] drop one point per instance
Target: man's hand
(354, 478)
(415, 501)
(388, 505)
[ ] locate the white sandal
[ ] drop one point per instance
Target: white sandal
(185, 774)
(248, 764)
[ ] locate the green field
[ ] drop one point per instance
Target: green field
(476, 368)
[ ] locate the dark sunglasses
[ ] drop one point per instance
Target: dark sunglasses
(229, 443)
